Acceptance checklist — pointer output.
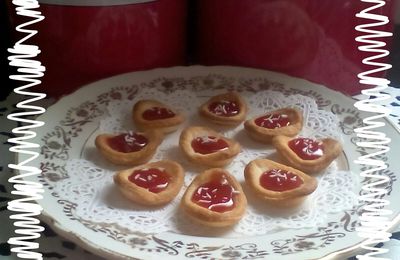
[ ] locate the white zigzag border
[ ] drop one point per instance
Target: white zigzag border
(374, 220)
(29, 71)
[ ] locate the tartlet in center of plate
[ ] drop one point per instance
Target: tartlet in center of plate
(284, 121)
(204, 146)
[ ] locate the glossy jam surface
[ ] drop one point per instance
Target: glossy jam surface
(208, 144)
(154, 179)
(224, 108)
(307, 148)
(272, 121)
(128, 143)
(216, 195)
(280, 180)
(157, 113)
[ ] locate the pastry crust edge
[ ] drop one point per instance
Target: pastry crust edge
(222, 120)
(208, 217)
(133, 158)
(141, 195)
(308, 166)
(284, 199)
(216, 159)
(166, 125)
(265, 135)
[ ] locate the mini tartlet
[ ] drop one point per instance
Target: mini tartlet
(132, 148)
(152, 114)
(277, 184)
(225, 109)
(285, 121)
(205, 146)
(214, 198)
(306, 154)
(152, 184)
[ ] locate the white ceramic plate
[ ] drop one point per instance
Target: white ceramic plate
(72, 121)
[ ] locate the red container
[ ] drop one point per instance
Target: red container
(82, 41)
(311, 39)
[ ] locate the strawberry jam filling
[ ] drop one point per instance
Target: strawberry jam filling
(216, 195)
(224, 108)
(306, 148)
(154, 179)
(157, 113)
(128, 143)
(272, 121)
(208, 144)
(280, 180)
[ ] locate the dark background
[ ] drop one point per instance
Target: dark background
(394, 73)
(6, 85)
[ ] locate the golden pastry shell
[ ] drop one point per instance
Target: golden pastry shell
(265, 135)
(282, 199)
(216, 159)
(331, 147)
(223, 120)
(166, 125)
(208, 217)
(130, 159)
(143, 196)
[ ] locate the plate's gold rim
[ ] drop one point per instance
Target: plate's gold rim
(88, 245)
(81, 241)
(349, 251)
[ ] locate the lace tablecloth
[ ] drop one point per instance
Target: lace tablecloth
(53, 246)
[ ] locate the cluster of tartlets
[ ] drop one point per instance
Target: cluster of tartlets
(215, 198)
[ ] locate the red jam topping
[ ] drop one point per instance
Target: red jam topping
(306, 148)
(128, 143)
(156, 113)
(272, 121)
(154, 179)
(216, 195)
(224, 108)
(280, 180)
(208, 144)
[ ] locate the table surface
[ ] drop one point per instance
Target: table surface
(53, 246)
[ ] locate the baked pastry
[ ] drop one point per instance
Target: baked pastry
(285, 121)
(278, 184)
(306, 154)
(152, 184)
(205, 146)
(214, 198)
(132, 148)
(151, 114)
(225, 109)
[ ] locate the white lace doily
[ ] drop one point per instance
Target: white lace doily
(91, 188)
